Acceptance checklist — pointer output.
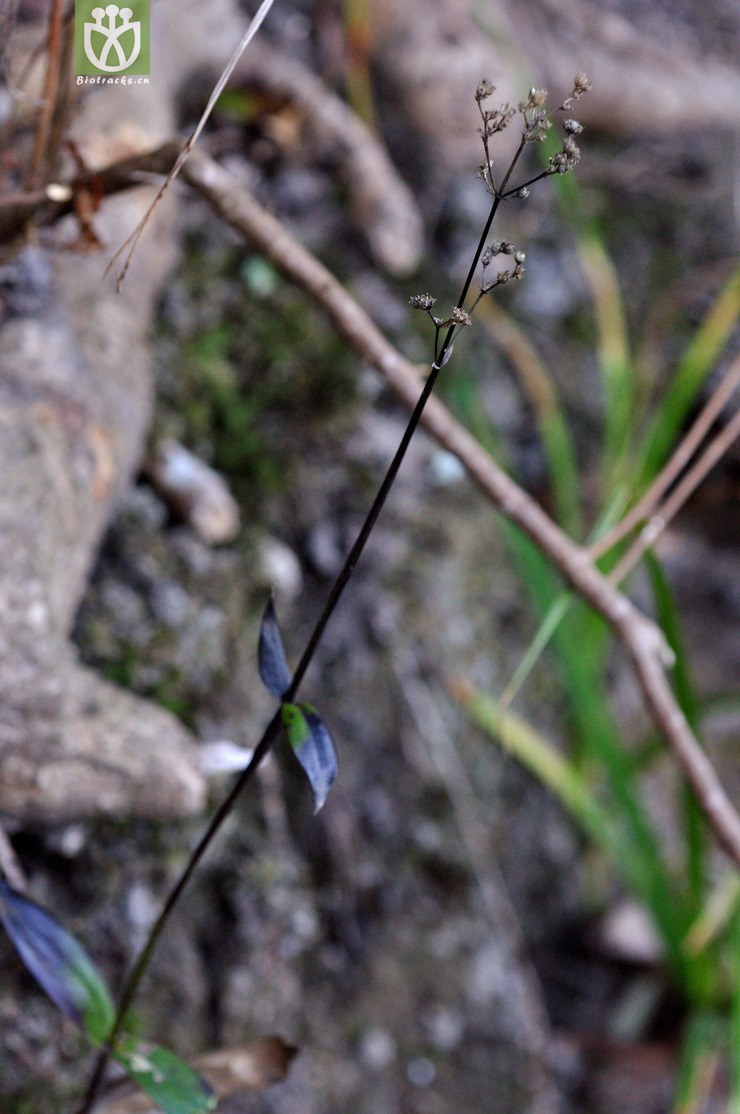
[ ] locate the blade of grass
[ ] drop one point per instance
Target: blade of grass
(563, 778)
(580, 642)
(614, 357)
(690, 375)
(735, 1017)
(358, 35)
(548, 765)
(552, 618)
(536, 648)
(698, 1064)
(507, 335)
(612, 343)
(717, 913)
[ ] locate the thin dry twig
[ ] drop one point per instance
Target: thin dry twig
(133, 239)
(644, 641)
(650, 533)
(684, 451)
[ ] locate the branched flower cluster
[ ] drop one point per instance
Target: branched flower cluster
(500, 247)
(536, 123)
(426, 301)
(581, 85)
(536, 116)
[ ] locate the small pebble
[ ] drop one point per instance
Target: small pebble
(421, 1072)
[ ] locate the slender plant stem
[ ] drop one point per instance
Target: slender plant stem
(138, 971)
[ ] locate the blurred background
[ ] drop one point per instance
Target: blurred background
(450, 933)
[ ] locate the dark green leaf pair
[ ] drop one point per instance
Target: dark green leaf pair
(63, 969)
(307, 733)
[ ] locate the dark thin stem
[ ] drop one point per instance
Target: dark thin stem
(524, 185)
(139, 969)
(272, 730)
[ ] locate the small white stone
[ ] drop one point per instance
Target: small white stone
(378, 1049)
(445, 469)
(421, 1072)
(281, 568)
(223, 757)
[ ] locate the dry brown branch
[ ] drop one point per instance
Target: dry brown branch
(712, 454)
(642, 639)
(184, 152)
(675, 465)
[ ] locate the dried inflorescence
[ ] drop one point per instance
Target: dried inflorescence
(536, 124)
(422, 301)
(537, 121)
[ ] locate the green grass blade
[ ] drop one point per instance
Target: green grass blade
(617, 369)
(550, 767)
(537, 646)
(699, 1059)
(690, 375)
(580, 642)
(735, 1018)
(613, 354)
(553, 616)
(717, 913)
(552, 427)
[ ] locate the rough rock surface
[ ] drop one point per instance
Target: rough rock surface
(75, 402)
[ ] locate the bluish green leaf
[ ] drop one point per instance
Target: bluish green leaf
(58, 962)
(273, 665)
(310, 739)
(169, 1081)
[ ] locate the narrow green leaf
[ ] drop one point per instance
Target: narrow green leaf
(735, 1015)
(705, 1037)
(617, 372)
(58, 962)
(511, 339)
(313, 747)
(690, 375)
(717, 913)
(171, 1083)
(548, 765)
